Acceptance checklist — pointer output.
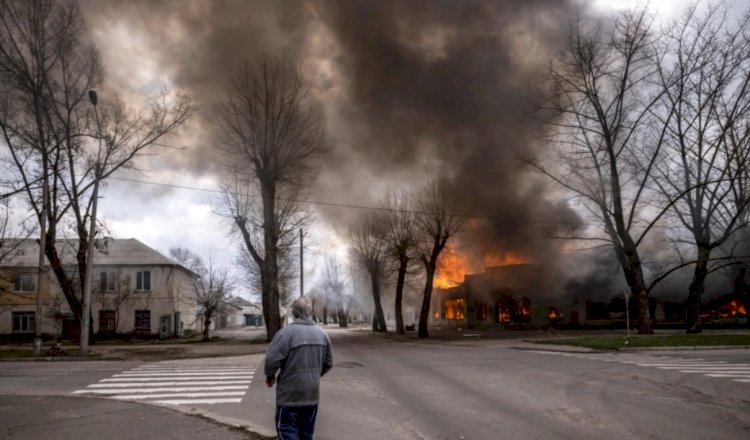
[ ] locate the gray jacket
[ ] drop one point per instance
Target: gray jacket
(303, 352)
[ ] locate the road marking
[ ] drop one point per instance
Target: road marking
(190, 395)
(716, 369)
(197, 401)
(163, 384)
(146, 379)
(181, 382)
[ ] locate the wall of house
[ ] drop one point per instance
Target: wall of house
(170, 293)
(11, 301)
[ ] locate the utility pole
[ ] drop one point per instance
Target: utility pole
(86, 314)
(627, 316)
(301, 272)
(38, 318)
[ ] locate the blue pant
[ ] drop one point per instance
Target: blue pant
(296, 422)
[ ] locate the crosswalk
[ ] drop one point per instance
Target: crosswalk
(181, 382)
(738, 372)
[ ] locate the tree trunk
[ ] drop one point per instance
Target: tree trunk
(424, 314)
(206, 327)
(66, 283)
(270, 290)
(403, 261)
(695, 292)
(340, 310)
(343, 318)
(379, 316)
(325, 314)
(631, 265)
(269, 268)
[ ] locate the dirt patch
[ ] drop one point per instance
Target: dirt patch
(146, 354)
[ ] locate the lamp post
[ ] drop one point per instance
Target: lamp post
(38, 318)
(86, 313)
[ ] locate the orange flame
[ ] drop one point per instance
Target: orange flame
(451, 270)
(453, 267)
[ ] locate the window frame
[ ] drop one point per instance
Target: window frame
(110, 317)
(23, 319)
(19, 285)
(110, 279)
(136, 320)
(143, 277)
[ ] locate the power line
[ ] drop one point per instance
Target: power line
(352, 206)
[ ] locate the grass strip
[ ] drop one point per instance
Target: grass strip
(616, 342)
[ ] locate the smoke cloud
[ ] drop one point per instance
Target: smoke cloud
(410, 90)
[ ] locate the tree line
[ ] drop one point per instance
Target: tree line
(646, 126)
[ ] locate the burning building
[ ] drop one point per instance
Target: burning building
(501, 295)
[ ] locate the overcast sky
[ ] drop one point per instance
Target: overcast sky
(410, 90)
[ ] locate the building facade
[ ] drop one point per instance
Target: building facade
(135, 290)
(503, 296)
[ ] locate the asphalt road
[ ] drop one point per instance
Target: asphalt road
(467, 389)
(487, 390)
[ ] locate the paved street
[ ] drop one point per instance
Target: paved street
(470, 388)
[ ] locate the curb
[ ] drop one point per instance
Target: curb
(228, 421)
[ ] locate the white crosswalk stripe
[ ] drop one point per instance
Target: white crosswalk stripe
(181, 382)
(718, 369)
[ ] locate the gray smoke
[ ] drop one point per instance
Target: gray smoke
(410, 89)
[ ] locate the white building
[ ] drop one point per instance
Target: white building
(135, 290)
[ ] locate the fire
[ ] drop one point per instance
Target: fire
(507, 259)
(451, 270)
(453, 266)
(732, 309)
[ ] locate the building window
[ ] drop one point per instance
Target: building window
(454, 309)
(142, 321)
(23, 322)
(107, 281)
(143, 280)
(25, 282)
(106, 321)
(481, 311)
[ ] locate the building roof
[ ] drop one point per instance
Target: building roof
(115, 252)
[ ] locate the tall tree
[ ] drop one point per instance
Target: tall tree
(272, 137)
(397, 219)
(439, 217)
(705, 73)
(334, 284)
(56, 135)
(367, 249)
(212, 289)
(601, 102)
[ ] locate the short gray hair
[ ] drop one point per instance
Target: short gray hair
(302, 308)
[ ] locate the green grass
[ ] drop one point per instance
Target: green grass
(15, 354)
(612, 342)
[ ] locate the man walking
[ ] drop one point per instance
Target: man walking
(302, 351)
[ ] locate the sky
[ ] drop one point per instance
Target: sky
(410, 90)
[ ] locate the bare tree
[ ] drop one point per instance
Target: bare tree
(272, 137)
(439, 217)
(11, 235)
(601, 102)
(47, 122)
(398, 223)
(367, 250)
(334, 284)
(705, 74)
(212, 290)
(187, 259)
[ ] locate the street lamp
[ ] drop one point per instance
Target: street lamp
(86, 313)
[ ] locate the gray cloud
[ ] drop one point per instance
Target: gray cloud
(409, 88)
